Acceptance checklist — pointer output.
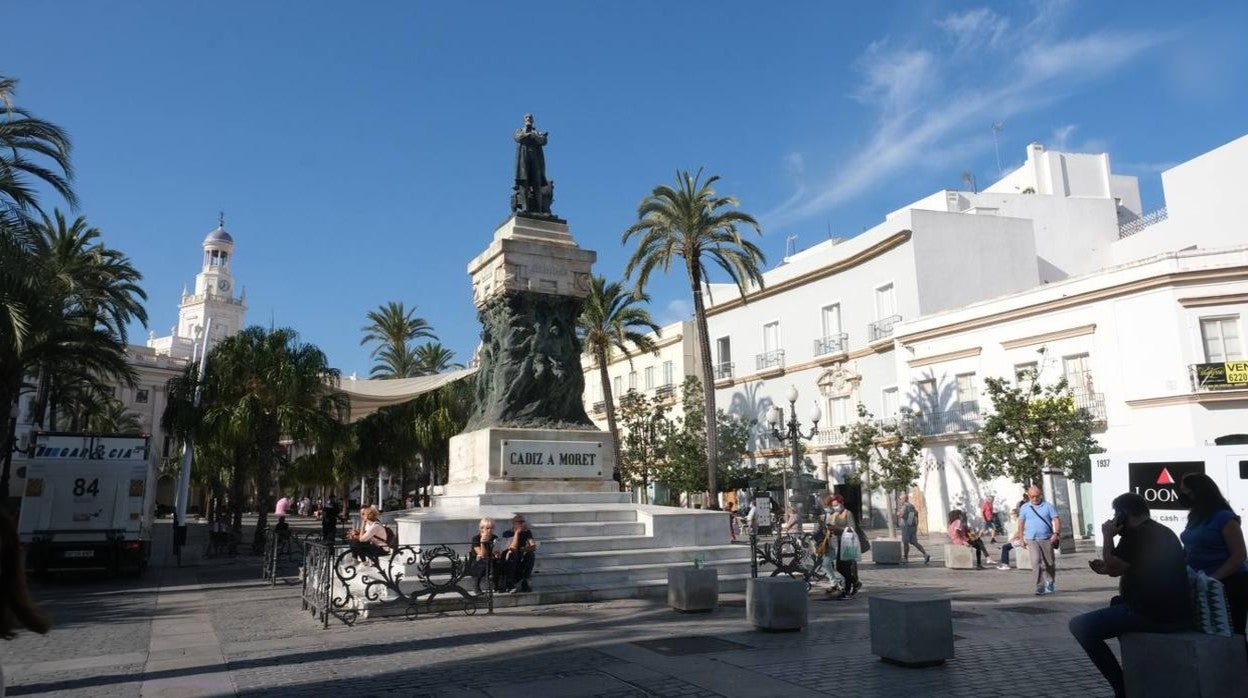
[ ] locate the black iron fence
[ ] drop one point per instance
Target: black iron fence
(798, 555)
(283, 552)
(344, 582)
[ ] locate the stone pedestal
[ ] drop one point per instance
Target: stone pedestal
(497, 460)
(886, 551)
(776, 603)
(1184, 665)
(692, 588)
(911, 629)
(959, 557)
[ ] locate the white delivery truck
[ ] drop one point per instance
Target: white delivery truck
(87, 503)
(1155, 475)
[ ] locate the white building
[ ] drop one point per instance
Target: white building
(959, 285)
(213, 300)
(656, 375)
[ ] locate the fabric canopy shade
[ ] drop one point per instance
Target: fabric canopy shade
(368, 396)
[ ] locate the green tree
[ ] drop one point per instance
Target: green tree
(613, 322)
(690, 225)
(1032, 428)
(644, 429)
(893, 448)
(31, 151)
(260, 387)
(392, 328)
(686, 467)
(432, 358)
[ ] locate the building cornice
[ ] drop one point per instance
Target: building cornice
(1192, 398)
(817, 362)
(948, 356)
(1205, 301)
(1132, 287)
(879, 248)
(1049, 336)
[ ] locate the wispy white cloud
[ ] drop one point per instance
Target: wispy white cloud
(675, 311)
(917, 126)
(1063, 138)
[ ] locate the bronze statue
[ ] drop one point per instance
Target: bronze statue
(532, 193)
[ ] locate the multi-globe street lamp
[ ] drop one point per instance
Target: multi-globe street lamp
(792, 432)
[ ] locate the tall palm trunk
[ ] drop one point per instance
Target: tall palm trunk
(264, 487)
(600, 355)
(708, 383)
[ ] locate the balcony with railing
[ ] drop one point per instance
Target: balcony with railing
(1094, 403)
(600, 406)
(961, 420)
(883, 328)
(830, 437)
(1216, 377)
(1130, 228)
(769, 360)
(665, 392)
(832, 344)
(723, 371)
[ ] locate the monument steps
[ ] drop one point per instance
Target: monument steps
(555, 531)
(602, 576)
(579, 514)
(554, 562)
(589, 544)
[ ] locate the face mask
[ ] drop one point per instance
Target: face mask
(838, 508)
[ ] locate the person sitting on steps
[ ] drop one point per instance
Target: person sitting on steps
(483, 559)
(519, 556)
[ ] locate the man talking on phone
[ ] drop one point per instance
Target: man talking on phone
(1153, 587)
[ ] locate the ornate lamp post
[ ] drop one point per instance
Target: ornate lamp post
(792, 430)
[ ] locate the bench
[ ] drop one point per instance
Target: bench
(691, 589)
(911, 629)
(1184, 665)
(776, 603)
(959, 557)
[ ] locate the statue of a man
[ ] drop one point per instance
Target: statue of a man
(531, 182)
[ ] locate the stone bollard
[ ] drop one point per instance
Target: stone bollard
(692, 588)
(911, 629)
(1184, 665)
(959, 557)
(776, 603)
(886, 551)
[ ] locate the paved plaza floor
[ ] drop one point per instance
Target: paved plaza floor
(219, 630)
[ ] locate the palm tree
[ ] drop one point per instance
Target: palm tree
(30, 149)
(393, 327)
(260, 387)
(691, 223)
(434, 358)
(612, 321)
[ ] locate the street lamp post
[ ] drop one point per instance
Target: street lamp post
(792, 432)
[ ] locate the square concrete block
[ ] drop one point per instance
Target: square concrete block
(1184, 665)
(886, 551)
(959, 557)
(776, 603)
(692, 588)
(911, 629)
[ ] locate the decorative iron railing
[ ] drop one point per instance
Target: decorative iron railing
(664, 392)
(966, 418)
(832, 344)
(283, 554)
(769, 359)
(343, 582)
(723, 370)
(1130, 228)
(798, 555)
(600, 406)
(1094, 403)
(882, 328)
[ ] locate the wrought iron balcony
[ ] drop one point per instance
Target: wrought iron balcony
(960, 420)
(769, 359)
(882, 329)
(600, 406)
(832, 344)
(664, 392)
(723, 370)
(1094, 403)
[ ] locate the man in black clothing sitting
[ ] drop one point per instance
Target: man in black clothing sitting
(519, 556)
(1153, 590)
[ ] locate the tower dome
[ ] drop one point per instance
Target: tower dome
(218, 235)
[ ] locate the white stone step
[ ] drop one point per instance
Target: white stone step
(582, 529)
(622, 575)
(566, 562)
(522, 499)
(595, 543)
(545, 517)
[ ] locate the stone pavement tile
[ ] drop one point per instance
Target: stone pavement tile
(76, 664)
(706, 673)
(565, 687)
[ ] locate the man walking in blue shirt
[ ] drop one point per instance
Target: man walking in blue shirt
(1041, 531)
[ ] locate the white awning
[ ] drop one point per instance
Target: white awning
(368, 396)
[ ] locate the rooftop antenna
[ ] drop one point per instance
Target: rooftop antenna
(790, 246)
(996, 128)
(221, 219)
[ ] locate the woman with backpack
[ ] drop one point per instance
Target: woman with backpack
(372, 539)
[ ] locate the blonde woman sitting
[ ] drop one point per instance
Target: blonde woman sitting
(372, 539)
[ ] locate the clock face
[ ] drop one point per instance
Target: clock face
(223, 285)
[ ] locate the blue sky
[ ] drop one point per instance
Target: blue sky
(362, 151)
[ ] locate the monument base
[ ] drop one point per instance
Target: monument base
(498, 460)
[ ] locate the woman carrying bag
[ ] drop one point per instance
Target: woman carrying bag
(840, 522)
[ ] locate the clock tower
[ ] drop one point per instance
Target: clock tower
(213, 296)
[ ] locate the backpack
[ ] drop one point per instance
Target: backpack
(392, 537)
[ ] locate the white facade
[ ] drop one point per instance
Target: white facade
(658, 375)
(1054, 257)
